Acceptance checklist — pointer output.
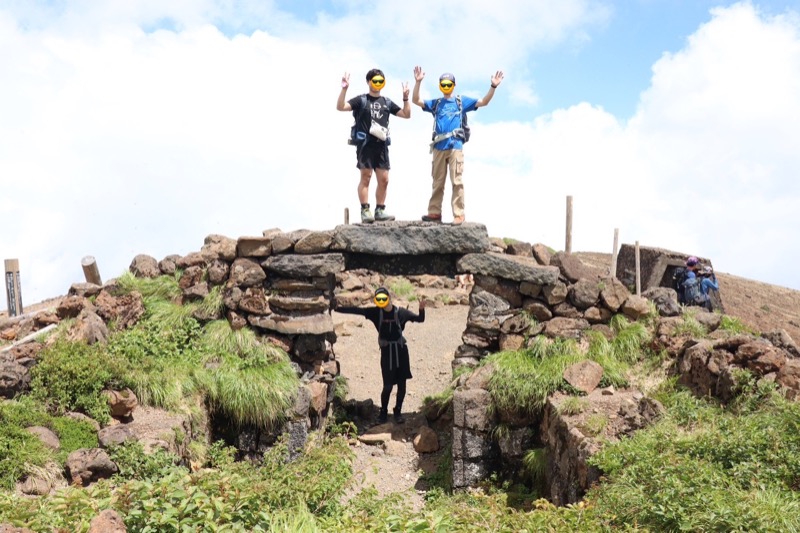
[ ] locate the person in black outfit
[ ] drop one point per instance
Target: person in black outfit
(390, 321)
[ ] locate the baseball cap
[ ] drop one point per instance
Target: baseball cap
(692, 261)
(447, 76)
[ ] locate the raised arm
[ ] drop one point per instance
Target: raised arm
(419, 75)
(411, 316)
(406, 111)
(341, 104)
(496, 79)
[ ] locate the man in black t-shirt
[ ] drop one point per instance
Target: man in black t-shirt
(371, 137)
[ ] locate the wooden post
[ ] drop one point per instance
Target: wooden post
(568, 243)
(638, 272)
(90, 271)
(614, 253)
(346, 216)
(13, 287)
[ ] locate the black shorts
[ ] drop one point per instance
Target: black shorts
(374, 154)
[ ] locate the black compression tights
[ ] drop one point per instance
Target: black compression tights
(387, 391)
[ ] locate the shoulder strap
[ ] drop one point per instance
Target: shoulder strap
(460, 112)
(380, 321)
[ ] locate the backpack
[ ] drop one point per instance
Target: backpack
(464, 125)
(360, 137)
(692, 294)
(678, 277)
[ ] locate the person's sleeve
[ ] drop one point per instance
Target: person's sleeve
(410, 316)
(427, 105)
(352, 311)
(355, 103)
(469, 104)
(393, 108)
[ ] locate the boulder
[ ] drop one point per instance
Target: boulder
(144, 266)
(121, 403)
(87, 465)
(14, 378)
(584, 376)
(108, 521)
(426, 441)
(48, 438)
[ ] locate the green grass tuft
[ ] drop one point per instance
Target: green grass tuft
(254, 391)
(162, 288)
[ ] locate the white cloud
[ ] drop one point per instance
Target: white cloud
(116, 141)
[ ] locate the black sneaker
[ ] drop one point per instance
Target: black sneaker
(398, 417)
(431, 218)
(383, 417)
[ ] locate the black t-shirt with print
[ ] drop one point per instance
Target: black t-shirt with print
(379, 109)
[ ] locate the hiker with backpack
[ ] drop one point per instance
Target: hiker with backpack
(450, 132)
(696, 282)
(370, 135)
(390, 321)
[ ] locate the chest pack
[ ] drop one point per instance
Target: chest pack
(359, 137)
(394, 319)
(461, 132)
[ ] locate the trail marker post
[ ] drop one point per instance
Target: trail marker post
(614, 253)
(90, 271)
(638, 272)
(568, 243)
(13, 287)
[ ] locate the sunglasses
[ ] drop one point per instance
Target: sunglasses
(377, 81)
(381, 298)
(446, 84)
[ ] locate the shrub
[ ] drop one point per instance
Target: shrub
(70, 376)
(134, 463)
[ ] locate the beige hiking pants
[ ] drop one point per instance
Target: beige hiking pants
(442, 161)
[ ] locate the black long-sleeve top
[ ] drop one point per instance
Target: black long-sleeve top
(391, 329)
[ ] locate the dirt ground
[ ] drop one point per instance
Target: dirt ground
(395, 466)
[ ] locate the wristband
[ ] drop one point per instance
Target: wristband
(405, 99)
(493, 86)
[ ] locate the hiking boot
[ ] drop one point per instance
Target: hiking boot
(398, 417)
(382, 216)
(431, 218)
(366, 216)
(457, 221)
(383, 417)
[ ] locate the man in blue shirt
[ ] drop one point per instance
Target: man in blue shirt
(450, 131)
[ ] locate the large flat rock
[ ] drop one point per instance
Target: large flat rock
(411, 238)
(511, 267)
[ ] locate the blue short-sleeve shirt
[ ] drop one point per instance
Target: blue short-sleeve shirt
(447, 119)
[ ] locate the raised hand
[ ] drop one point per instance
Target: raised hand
(345, 81)
(421, 305)
(497, 78)
(405, 90)
(419, 75)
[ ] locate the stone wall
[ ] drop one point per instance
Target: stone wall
(656, 265)
(283, 285)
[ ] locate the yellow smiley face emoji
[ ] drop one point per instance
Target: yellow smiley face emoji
(377, 82)
(446, 86)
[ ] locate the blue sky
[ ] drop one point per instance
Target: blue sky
(142, 127)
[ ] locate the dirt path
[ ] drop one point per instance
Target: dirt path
(395, 466)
